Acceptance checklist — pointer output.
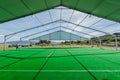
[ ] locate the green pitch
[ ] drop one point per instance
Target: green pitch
(60, 64)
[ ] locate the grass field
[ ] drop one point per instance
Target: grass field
(60, 64)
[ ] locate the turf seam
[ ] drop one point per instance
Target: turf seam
(81, 64)
(55, 56)
(6, 56)
(109, 61)
(13, 57)
(14, 62)
(108, 70)
(47, 58)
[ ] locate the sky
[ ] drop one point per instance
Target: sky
(70, 17)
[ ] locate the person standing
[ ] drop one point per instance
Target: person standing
(16, 46)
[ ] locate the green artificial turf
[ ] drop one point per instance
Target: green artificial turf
(60, 64)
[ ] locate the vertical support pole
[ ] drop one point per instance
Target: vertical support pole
(4, 48)
(29, 43)
(39, 41)
(60, 33)
(116, 42)
(80, 42)
(100, 43)
(20, 42)
(70, 40)
(50, 39)
(91, 43)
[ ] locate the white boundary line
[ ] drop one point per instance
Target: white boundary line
(59, 70)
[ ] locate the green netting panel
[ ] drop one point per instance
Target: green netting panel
(82, 5)
(111, 10)
(108, 9)
(14, 9)
(18, 8)
(11, 9)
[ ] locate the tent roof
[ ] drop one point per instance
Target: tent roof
(10, 10)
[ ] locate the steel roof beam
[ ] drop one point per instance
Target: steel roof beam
(87, 27)
(78, 31)
(32, 28)
(38, 33)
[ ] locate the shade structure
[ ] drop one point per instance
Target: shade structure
(14, 9)
(45, 15)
